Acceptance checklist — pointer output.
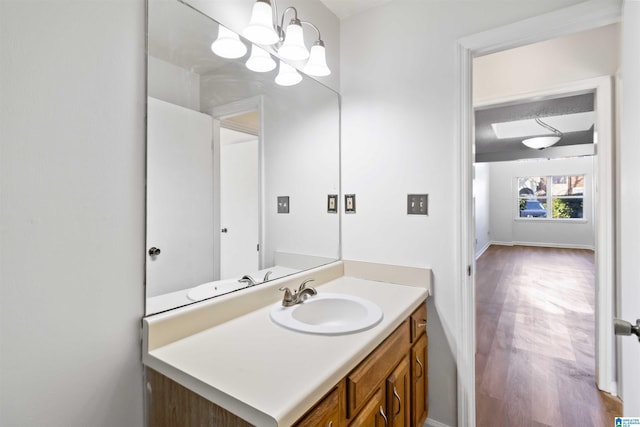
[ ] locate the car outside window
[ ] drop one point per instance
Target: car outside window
(551, 197)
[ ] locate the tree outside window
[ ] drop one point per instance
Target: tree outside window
(562, 199)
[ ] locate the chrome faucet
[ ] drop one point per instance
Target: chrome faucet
(296, 297)
(250, 281)
(266, 275)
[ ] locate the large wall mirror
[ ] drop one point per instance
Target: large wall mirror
(239, 168)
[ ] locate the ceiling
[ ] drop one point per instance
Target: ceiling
(345, 8)
(488, 146)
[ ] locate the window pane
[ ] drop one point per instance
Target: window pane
(532, 196)
(567, 195)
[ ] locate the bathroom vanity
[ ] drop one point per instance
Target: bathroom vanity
(225, 362)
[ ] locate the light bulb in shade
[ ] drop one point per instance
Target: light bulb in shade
(293, 47)
(228, 44)
(260, 29)
(260, 61)
(540, 142)
(317, 63)
(287, 75)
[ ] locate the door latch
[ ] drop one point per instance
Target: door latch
(622, 327)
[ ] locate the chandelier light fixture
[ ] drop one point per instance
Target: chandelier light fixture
(542, 142)
(263, 29)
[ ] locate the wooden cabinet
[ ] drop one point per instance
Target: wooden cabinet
(373, 413)
(419, 369)
(398, 395)
(389, 388)
(370, 375)
(328, 412)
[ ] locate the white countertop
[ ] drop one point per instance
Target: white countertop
(269, 375)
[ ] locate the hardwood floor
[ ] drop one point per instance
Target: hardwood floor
(535, 340)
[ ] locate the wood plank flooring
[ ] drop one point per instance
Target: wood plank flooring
(535, 340)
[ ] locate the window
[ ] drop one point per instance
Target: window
(552, 197)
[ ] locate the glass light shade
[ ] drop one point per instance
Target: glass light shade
(260, 29)
(260, 61)
(293, 47)
(317, 63)
(541, 142)
(287, 75)
(228, 44)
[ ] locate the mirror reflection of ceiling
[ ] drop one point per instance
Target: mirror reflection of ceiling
(247, 122)
(181, 37)
(558, 112)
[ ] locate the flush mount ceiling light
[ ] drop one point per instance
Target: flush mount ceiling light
(228, 44)
(263, 29)
(542, 142)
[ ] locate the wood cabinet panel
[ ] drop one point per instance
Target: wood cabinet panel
(328, 412)
(398, 395)
(171, 405)
(373, 414)
(365, 378)
(418, 322)
(419, 381)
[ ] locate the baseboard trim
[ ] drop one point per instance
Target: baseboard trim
(430, 422)
(483, 250)
(543, 245)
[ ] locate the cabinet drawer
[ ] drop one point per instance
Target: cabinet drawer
(327, 412)
(418, 322)
(363, 381)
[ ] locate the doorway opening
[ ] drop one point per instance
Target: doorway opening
(238, 193)
(549, 26)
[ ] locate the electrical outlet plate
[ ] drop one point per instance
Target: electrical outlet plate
(350, 203)
(283, 204)
(332, 203)
(417, 204)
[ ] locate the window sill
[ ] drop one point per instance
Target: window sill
(562, 220)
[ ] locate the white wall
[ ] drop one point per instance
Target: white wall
(507, 230)
(584, 55)
(481, 198)
(72, 102)
(398, 87)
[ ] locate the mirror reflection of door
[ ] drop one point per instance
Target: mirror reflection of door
(179, 198)
(239, 197)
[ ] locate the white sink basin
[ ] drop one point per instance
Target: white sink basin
(328, 314)
(213, 289)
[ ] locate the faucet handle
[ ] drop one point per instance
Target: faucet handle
(303, 285)
(288, 296)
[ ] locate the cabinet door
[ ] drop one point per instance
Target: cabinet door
(398, 392)
(419, 381)
(373, 414)
(326, 413)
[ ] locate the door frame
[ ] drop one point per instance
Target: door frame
(573, 19)
(255, 103)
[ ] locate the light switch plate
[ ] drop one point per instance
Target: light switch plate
(283, 204)
(417, 204)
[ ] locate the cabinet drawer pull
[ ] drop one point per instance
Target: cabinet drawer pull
(395, 394)
(421, 368)
(386, 421)
(422, 325)
(330, 424)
